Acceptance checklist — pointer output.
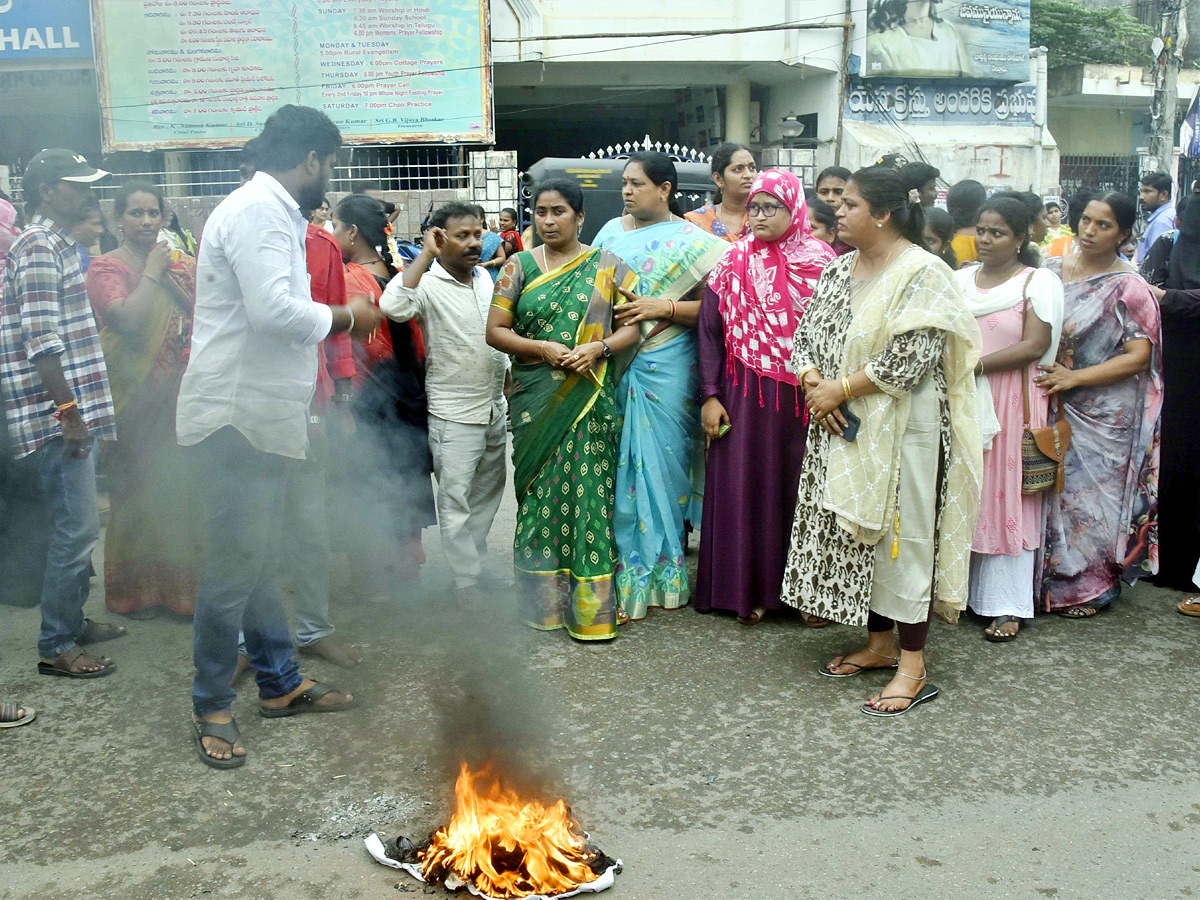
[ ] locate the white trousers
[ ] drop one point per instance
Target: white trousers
(1002, 585)
(468, 462)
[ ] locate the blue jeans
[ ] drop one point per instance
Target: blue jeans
(69, 486)
(306, 535)
(244, 492)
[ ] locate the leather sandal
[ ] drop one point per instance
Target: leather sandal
(999, 622)
(306, 702)
(224, 731)
(62, 664)
(98, 632)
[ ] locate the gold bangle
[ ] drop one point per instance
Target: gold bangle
(800, 375)
(846, 387)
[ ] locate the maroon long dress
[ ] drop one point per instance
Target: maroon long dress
(750, 481)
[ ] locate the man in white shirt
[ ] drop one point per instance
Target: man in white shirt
(243, 417)
(446, 289)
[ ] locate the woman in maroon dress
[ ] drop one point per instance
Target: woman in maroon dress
(752, 412)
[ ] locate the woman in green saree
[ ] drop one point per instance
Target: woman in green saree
(553, 312)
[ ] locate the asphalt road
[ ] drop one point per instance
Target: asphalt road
(710, 757)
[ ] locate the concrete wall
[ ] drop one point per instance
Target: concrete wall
(1091, 131)
(811, 94)
(534, 17)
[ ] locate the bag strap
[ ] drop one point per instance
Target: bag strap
(1025, 370)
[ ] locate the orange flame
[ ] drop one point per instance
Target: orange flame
(505, 846)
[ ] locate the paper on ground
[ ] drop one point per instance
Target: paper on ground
(603, 882)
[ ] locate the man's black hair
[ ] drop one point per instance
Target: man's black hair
(453, 210)
(290, 134)
(1160, 181)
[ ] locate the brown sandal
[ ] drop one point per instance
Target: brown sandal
(64, 664)
(1189, 606)
(98, 632)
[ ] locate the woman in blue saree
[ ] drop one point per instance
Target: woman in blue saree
(661, 456)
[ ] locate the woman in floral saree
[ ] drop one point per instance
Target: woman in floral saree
(553, 312)
(142, 294)
(660, 470)
(1103, 527)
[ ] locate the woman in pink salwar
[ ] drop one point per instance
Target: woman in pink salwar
(1104, 526)
(1019, 308)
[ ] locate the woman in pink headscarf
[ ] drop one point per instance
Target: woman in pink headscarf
(753, 413)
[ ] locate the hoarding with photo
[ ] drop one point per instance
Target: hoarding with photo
(985, 40)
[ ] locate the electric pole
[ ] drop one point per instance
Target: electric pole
(1167, 49)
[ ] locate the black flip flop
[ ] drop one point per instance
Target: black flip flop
(306, 702)
(227, 732)
(1001, 621)
(926, 693)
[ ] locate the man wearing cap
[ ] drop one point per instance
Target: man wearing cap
(57, 399)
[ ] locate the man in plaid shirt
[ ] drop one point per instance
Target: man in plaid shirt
(57, 401)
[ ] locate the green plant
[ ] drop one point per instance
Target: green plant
(1075, 33)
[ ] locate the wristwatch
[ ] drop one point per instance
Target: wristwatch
(606, 350)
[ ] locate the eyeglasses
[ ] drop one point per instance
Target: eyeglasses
(754, 210)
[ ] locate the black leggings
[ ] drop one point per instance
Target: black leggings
(912, 634)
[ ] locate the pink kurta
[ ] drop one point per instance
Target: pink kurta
(1009, 521)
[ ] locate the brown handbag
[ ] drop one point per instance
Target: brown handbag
(1042, 449)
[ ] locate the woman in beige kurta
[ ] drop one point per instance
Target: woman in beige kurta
(883, 523)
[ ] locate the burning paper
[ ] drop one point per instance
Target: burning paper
(502, 846)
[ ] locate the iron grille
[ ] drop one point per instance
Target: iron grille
(1100, 173)
(214, 173)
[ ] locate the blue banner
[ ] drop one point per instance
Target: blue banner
(929, 102)
(45, 29)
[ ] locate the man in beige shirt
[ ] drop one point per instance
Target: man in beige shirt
(449, 293)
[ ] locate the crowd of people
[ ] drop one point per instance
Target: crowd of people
(873, 410)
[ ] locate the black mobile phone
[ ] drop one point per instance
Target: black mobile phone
(850, 429)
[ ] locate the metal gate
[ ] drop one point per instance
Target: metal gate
(1189, 172)
(1102, 173)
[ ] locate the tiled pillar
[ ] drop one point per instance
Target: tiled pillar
(494, 180)
(802, 162)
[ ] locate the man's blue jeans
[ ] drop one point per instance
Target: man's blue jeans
(69, 486)
(244, 491)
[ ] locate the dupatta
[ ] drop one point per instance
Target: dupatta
(916, 292)
(572, 304)
(669, 259)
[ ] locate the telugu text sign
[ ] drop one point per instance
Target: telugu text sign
(984, 40)
(207, 73)
(937, 103)
(45, 29)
